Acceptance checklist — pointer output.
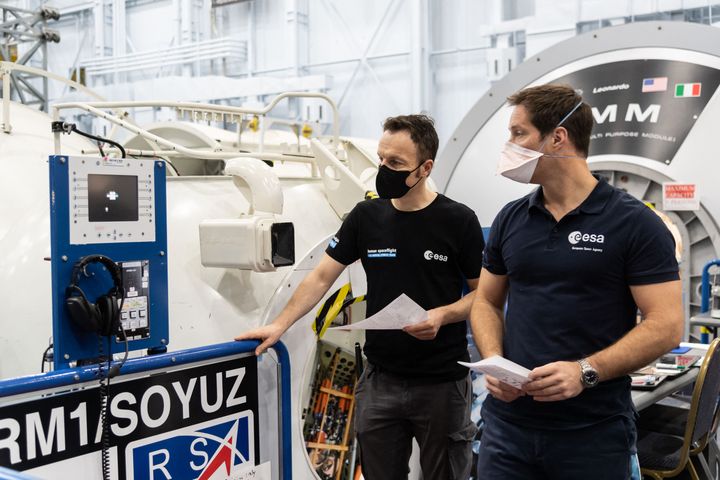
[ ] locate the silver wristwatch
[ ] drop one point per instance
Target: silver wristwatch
(588, 375)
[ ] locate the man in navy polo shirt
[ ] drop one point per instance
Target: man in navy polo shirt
(574, 260)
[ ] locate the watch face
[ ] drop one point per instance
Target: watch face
(590, 377)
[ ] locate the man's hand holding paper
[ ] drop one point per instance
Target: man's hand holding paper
(505, 379)
(554, 382)
(428, 329)
(501, 390)
(398, 314)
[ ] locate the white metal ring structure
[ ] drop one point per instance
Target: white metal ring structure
(636, 153)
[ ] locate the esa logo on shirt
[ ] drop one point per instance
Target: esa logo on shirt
(577, 236)
(430, 255)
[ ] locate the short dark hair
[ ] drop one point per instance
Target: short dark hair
(548, 104)
(422, 132)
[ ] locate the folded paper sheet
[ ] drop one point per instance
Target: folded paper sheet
(501, 368)
(399, 313)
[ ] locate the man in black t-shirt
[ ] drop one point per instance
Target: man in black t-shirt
(420, 243)
(574, 260)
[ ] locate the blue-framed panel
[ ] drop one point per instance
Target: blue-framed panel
(68, 246)
(157, 365)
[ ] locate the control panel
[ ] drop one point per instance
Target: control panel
(135, 315)
(111, 200)
(109, 256)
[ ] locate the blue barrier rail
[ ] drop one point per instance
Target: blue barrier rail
(705, 286)
(74, 376)
(7, 474)
(705, 294)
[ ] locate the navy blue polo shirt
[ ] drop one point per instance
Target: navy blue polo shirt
(569, 292)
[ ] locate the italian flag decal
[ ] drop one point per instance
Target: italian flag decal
(687, 89)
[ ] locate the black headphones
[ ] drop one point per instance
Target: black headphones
(100, 317)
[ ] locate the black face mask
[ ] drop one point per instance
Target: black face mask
(391, 183)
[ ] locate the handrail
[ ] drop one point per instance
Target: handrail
(95, 108)
(75, 376)
(192, 153)
(206, 108)
(204, 153)
(6, 69)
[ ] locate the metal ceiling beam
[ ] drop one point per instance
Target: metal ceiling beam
(24, 26)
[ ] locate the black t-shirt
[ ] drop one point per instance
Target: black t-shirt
(569, 292)
(425, 254)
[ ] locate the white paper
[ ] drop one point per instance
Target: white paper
(502, 369)
(699, 346)
(256, 472)
(399, 313)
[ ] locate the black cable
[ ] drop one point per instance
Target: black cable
(44, 358)
(112, 371)
(115, 369)
(98, 139)
(64, 127)
(104, 400)
(172, 165)
(167, 163)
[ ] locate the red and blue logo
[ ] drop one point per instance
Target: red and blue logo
(210, 450)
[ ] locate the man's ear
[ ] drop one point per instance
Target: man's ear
(560, 137)
(428, 166)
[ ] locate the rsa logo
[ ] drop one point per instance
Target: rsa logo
(204, 451)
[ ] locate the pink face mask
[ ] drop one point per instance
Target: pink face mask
(519, 163)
